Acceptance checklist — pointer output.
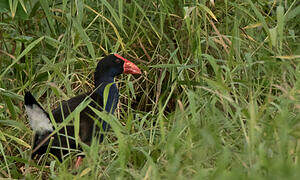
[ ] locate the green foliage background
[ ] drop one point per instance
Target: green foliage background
(218, 98)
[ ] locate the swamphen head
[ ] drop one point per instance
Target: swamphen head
(113, 65)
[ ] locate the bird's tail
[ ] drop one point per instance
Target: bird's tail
(38, 117)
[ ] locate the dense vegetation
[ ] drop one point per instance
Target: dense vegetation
(218, 98)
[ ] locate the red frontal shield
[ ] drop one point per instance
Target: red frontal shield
(129, 67)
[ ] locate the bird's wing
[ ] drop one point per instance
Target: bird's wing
(66, 107)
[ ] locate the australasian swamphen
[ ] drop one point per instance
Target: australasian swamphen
(107, 68)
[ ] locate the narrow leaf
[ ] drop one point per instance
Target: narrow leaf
(205, 8)
(45, 6)
(17, 140)
(280, 25)
(29, 47)
(84, 37)
(174, 66)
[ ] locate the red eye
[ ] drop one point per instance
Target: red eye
(118, 61)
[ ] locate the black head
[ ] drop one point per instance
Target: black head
(109, 66)
(114, 65)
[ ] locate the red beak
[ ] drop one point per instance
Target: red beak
(129, 67)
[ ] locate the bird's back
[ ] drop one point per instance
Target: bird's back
(87, 115)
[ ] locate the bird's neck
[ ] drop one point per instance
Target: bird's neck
(113, 94)
(103, 80)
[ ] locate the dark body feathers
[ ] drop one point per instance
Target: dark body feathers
(106, 70)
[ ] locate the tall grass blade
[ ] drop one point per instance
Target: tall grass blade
(17, 140)
(84, 37)
(280, 26)
(13, 5)
(29, 47)
(46, 8)
(117, 18)
(260, 17)
(5, 160)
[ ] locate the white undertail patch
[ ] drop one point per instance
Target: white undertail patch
(39, 122)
